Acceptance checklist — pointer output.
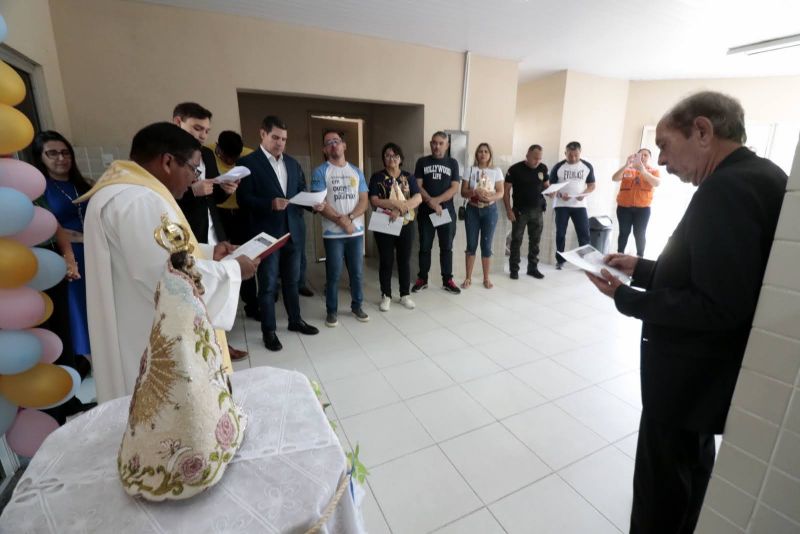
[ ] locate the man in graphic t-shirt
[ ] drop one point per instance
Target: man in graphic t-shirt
(526, 179)
(570, 201)
(342, 224)
(438, 179)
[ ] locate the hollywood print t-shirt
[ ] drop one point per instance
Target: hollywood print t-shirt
(343, 185)
(437, 175)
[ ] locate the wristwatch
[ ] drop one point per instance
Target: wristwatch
(350, 216)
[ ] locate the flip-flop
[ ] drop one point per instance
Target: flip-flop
(466, 283)
(488, 284)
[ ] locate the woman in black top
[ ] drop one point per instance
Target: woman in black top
(394, 192)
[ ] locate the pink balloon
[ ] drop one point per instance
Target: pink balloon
(52, 346)
(29, 431)
(40, 229)
(22, 176)
(21, 307)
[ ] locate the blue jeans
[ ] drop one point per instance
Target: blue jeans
(581, 222)
(480, 221)
(335, 252)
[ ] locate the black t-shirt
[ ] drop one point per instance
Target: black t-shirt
(437, 175)
(527, 184)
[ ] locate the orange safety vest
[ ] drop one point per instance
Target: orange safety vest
(635, 192)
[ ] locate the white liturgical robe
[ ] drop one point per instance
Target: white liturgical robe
(123, 266)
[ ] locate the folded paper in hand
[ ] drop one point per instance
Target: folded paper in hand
(439, 220)
(590, 259)
(233, 175)
(380, 222)
(260, 246)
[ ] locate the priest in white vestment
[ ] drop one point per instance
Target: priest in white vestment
(124, 262)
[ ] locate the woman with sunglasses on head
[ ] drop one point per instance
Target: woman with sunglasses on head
(395, 192)
(54, 156)
(482, 188)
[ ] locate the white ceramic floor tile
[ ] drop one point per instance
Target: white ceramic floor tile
(605, 479)
(391, 351)
(357, 394)
(509, 352)
(436, 341)
(517, 327)
(415, 378)
(548, 342)
(465, 364)
(549, 506)
(386, 433)
(415, 323)
(601, 412)
(448, 413)
(421, 492)
(549, 378)
(476, 331)
(502, 394)
(628, 445)
(374, 522)
(338, 364)
(626, 387)
(480, 522)
(555, 436)
(590, 363)
(494, 462)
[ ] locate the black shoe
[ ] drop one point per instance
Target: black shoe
(272, 342)
(535, 273)
(304, 328)
(252, 314)
(305, 292)
(559, 266)
(419, 284)
(514, 275)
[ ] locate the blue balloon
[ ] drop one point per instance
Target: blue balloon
(19, 351)
(3, 33)
(8, 412)
(51, 269)
(17, 211)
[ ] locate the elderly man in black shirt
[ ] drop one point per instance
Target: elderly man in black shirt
(697, 306)
(527, 179)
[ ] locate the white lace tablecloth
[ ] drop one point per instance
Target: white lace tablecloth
(281, 480)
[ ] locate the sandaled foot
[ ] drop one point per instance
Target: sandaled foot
(487, 283)
(466, 283)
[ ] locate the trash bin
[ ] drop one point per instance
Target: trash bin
(600, 232)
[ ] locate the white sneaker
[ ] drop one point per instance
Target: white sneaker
(406, 301)
(386, 303)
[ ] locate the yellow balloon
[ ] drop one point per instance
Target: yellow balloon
(12, 88)
(42, 385)
(17, 264)
(48, 307)
(16, 131)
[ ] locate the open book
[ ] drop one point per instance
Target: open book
(260, 246)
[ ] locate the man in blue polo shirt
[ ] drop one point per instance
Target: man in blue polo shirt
(570, 201)
(438, 179)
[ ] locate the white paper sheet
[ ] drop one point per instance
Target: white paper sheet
(439, 220)
(590, 259)
(380, 221)
(233, 175)
(555, 187)
(306, 198)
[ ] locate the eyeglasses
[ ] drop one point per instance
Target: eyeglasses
(53, 154)
(392, 156)
(333, 142)
(183, 162)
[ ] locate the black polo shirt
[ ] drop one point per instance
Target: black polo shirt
(527, 185)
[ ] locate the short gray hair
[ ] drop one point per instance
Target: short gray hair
(725, 113)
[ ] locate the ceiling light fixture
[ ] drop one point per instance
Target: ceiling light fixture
(770, 45)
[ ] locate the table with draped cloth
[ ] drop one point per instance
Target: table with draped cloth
(282, 479)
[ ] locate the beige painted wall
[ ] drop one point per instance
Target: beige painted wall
(30, 33)
(769, 99)
(540, 105)
(126, 63)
